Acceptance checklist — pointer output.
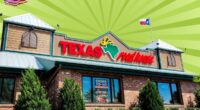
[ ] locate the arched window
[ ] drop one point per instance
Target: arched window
(29, 39)
(171, 61)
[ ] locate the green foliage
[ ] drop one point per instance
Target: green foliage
(196, 79)
(197, 97)
(109, 108)
(70, 95)
(136, 108)
(121, 109)
(33, 95)
(192, 109)
(149, 98)
(173, 108)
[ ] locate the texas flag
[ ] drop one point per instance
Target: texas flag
(145, 21)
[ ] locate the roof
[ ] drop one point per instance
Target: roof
(159, 44)
(39, 62)
(19, 61)
(29, 20)
(112, 65)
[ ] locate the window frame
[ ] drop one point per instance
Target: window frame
(29, 32)
(13, 91)
(171, 60)
(111, 89)
(170, 85)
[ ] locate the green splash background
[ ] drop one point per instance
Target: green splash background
(174, 21)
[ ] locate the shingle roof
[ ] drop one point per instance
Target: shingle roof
(160, 45)
(29, 20)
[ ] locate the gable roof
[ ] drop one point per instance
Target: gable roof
(29, 20)
(159, 44)
(99, 37)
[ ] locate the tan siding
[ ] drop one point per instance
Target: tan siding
(163, 57)
(14, 40)
(105, 57)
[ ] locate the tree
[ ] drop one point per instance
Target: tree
(149, 98)
(70, 95)
(197, 97)
(33, 95)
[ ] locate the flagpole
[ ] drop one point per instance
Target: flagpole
(151, 30)
(147, 22)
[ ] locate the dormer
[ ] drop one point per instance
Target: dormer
(169, 57)
(27, 33)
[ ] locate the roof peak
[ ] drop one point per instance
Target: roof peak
(29, 20)
(159, 44)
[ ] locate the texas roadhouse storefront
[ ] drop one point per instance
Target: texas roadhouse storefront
(109, 72)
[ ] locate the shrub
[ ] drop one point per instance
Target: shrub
(136, 108)
(197, 97)
(173, 108)
(192, 109)
(70, 95)
(33, 95)
(149, 98)
(121, 109)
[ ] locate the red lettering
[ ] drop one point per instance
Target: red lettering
(145, 59)
(89, 51)
(97, 52)
(135, 57)
(119, 56)
(124, 56)
(72, 48)
(150, 59)
(81, 49)
(63, 46)
(129, 58)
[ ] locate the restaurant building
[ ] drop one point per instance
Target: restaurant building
(109, 72)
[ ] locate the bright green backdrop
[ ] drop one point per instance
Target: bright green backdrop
(174, 21)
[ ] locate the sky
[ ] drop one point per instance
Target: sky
(176, 22)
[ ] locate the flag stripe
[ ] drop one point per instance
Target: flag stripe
(144, 21)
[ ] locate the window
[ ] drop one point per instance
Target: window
(101, 90)
(169, 92)
(6, 90)
(171, 60)
(29, 39)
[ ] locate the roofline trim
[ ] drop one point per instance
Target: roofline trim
(91, 41)
(27, 25)
(125, 71)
